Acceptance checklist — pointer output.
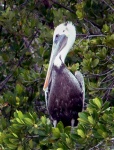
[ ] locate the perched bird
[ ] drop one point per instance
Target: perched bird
(64, 92)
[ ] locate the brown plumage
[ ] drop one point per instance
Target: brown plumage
(64, 92)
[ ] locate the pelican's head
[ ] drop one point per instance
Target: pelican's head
(66, 30)
(63, 39)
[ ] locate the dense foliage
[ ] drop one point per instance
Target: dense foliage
(26, 30)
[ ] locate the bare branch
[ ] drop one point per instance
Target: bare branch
(23, 4)
(30, 48)
(102, 143)
(96, 146)
(89, 36)
(102, 88)
(27, 43)
(108, 5)
(32, 136)
(3, 83)
(102, 74)
(112, 2)
(63, 6)
(92, 23)
(109, 88)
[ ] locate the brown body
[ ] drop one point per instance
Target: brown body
(65, 96)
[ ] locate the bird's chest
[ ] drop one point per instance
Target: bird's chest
(64, 90)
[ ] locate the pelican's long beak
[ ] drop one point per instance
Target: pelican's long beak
(58, 44)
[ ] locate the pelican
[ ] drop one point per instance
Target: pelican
(64, 92)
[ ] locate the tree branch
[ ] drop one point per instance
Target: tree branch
(32, 136)
(108, 5)
(2, 84)
(107, 92)
(102, 74)
(30, 48)
(89, 36)
(96, 146)
(112, 2)
(63, 7)
(100, 144)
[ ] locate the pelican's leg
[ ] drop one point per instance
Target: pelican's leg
(72, 125)
(54, 123)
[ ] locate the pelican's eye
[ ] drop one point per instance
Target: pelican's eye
(56, 38)
(57, 35)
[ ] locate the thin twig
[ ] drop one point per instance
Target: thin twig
(109, 88)
(108, 5)
(25, 2)
(96, 35)
(63, 6)
(92, 23)
(96, 146)
(102, 88)
(81, 40)
(100, 144)
(3, 83)
(32, 136)
(102, 74)
(27, 44)
(90, 36)
(30, 48)
(112, 2)
(105, 81)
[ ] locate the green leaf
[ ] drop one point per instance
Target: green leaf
(15, 135)
(98, 102)
(106, 28)
(16, 141)
(28, 121)
(17, 99)
(31, 143)
(5, 57)
(12, 146)
(20, 147)
(20, 115)
(68, 141)
(19, 89)
(91, 120)
(56, 132)
(80, 14)
(102, 133)
(81, 133)
(105, 105)
(95, 62)
(105, 116)
(43, 119)
(83, 117)
(19, 120)
(60, 126)
(67, 129)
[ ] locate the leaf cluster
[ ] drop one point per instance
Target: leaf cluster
(26, 30)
